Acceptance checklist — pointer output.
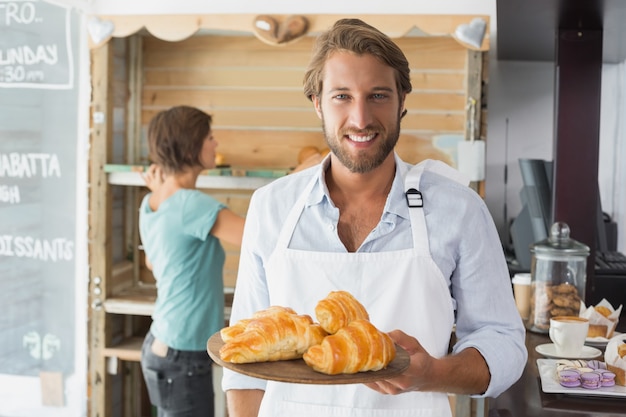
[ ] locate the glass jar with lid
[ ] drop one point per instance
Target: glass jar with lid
(558, 277)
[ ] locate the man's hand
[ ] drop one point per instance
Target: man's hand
(414, 378)
(463, 373)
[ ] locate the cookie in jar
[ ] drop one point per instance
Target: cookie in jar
(550, 300)
(558, 277)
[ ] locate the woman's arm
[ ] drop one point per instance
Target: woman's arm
(228, 227)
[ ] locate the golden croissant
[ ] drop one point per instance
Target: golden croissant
(358, 347)
(230, 332)
(275, 336)
(338, 309)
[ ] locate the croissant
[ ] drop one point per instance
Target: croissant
(337, 310)
(358, 347)
(279, 335)
(228, 333)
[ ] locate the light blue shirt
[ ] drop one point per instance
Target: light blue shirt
(464, 245)
(188, 265)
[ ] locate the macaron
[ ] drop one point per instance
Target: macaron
(591, 380)
(569, 378)
(607, 378)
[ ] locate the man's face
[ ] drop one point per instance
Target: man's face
(360, 109)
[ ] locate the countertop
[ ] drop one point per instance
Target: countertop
(525, 398)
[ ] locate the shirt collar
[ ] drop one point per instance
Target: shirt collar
(396, 205)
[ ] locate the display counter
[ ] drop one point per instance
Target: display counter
(526, 398)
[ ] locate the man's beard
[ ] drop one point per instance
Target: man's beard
(363, 162)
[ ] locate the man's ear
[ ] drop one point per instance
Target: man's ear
(317, 104)
(403, 110)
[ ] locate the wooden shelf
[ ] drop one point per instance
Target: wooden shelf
(127, 350)
(137, 301)
(220, 178)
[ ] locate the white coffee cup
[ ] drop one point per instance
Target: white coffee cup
(568, 333)
(521, 291)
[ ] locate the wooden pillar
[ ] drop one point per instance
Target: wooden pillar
(576, 147)
(475, 72)
(100, 398)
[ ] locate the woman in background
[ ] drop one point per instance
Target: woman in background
(181, 228)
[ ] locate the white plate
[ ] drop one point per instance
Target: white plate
(600, 342)
(549, 350)
(550, 385)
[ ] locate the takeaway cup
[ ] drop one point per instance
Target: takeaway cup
(521, 291)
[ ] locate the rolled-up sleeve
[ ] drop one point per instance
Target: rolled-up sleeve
(487, 318)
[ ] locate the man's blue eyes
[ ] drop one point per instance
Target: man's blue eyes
(373, 96)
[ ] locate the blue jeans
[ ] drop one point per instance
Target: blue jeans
(179, 384)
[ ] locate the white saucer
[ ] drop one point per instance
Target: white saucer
(548, 350)
(599, 342)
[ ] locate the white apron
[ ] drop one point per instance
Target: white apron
(401, 290)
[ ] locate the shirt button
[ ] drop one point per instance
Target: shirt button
(331, 227)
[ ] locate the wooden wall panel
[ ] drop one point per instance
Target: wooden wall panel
(433, 53)
(254, 92)
(438, 81)
(222, 99)
(434, 122)
(232, 78)
(294, 118)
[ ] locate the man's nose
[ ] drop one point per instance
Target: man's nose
(361, 114)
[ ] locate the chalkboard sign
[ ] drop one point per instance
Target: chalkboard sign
(35, 45)
(38, 161)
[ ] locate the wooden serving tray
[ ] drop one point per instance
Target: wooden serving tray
(297, 371)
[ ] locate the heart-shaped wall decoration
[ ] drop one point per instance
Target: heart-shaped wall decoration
(271, 31)
(100, 31)
(472, 34)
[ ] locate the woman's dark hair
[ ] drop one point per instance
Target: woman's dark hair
(176, 137)
(356, 36)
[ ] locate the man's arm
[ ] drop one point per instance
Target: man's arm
(244, 402)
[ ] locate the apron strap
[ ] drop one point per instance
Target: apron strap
(416, 208)
(414, 196)
(294, 215)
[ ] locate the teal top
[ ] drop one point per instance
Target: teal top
(188, 265)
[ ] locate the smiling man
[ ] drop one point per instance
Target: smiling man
(346, 224)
